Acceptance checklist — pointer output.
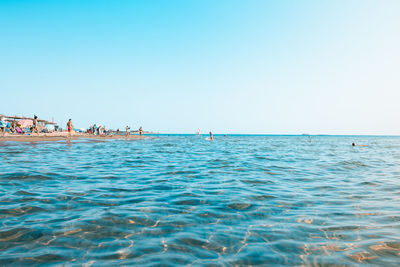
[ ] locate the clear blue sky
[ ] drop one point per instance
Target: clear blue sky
(228, 66)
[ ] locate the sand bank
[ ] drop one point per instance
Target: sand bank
(62, 136)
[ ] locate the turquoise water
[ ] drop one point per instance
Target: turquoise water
(182, 200)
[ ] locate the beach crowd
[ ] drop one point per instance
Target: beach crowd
(28, 126)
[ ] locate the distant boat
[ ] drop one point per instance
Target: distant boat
(198, 131)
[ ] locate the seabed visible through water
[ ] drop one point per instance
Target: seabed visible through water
(182, 200)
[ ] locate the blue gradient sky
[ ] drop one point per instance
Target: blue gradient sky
(287, 67)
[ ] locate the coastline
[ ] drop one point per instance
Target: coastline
(61, 137)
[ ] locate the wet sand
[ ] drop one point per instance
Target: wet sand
(60, 137)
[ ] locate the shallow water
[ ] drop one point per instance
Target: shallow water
(181, 200)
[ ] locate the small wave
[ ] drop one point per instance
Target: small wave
(257, 181)
(262, 197)
(24, 193)
(20, 211)
(24, 176)
(351, 164)
(240, 206)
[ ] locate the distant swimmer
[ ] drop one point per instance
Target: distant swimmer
(354, 144)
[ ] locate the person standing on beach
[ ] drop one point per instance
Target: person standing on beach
(127, 130)
(140, 131)
(3, 125)
(35, 125)
(69, 127)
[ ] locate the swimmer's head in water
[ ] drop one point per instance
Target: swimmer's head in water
(353, 144)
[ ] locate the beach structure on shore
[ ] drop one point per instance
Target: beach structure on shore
(26, 122)
(21, 128)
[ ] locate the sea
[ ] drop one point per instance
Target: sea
(182, 200)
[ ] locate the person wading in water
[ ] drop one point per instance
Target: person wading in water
(69, 128)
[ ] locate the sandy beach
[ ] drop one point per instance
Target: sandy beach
(48, 137)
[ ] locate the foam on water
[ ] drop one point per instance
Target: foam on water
(239, 200)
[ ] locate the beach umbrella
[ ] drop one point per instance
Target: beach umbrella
(25, 123)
